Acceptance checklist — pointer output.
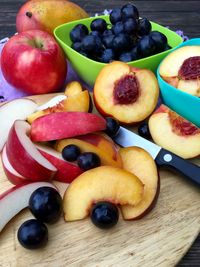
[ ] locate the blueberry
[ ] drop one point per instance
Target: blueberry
(108, 41)
(129, 11)
(96, 34)
(159, 39)
(144, 26)
(121, 42)
(143, 130)
(78, 33)
(104, 215)
(33, 234)
(115, 15)
(90, 44)
(167, 47)
(146, 46)
(99, 25)
(135, 53)
(107, 32)
(107, 56)
(88, 160)
(126, 57)
(130, 26)
(71, 152)
(118, 28)
(76, 46)
(45, 204)
(83, 53)
(112, 127)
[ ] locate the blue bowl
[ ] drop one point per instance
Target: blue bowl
(186, 105)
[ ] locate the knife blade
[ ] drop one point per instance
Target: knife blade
(161, 156)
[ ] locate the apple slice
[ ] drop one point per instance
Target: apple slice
(13, 176)
(66, 171)
(56, 126)
(16, 199)
(137, 161)
(24, 156)
(17, 109)
(174, 133)
(103, 183)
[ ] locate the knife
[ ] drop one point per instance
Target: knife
(161, 156)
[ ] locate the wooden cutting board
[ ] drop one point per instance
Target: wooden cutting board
(159, 239)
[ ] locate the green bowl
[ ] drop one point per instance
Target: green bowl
(88, 69)
(188, 106)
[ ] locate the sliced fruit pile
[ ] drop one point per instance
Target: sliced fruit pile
(126, 38)
(64, 142)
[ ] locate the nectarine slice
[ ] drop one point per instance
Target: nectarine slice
(73, 88)
(139, 162)
(60, 125)
(103, 183)
(125, 93)
(95, 143)
(77, 102)
(174, 133)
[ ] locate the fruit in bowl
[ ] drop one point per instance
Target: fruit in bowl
(54, 13)
(181, 69)
(79, 61)
(35, 56)
(126, 37)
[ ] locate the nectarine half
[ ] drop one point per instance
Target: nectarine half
(126, 93)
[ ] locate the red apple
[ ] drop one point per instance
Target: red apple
(24, 156)
(33, 62)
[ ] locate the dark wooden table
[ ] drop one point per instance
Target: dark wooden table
(183, 15)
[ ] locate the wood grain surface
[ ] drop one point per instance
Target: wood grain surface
(159, 239)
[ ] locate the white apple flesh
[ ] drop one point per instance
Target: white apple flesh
(13, 176)
(18, 109)
(16, 199)
(24, 156)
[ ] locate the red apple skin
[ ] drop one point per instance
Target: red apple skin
(67, 171)
(22, 161)
(33, 62)
(60, 125)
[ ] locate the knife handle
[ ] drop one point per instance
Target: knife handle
(168, 159)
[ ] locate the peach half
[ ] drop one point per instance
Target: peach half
(128, 94)
(139, 162)
(181, 69)
(174, 133)
(97, 143)
(103, 183)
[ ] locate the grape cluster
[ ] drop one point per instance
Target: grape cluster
(127, 38)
